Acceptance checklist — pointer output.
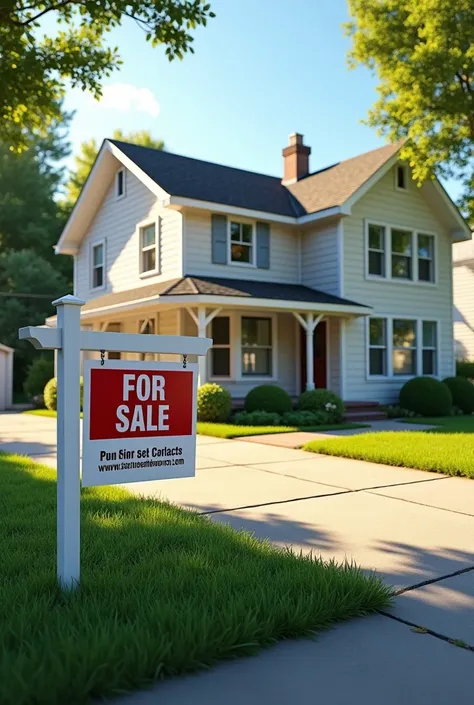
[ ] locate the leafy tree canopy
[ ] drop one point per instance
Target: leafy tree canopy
(36, 65)
(88, 152)
(423, 54)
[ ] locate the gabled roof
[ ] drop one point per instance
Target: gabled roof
(191, 286)
(215, 183)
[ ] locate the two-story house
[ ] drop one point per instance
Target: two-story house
(339, 278)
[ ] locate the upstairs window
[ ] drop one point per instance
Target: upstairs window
(426, 258)
(401, 178)
(395, 253)
(376, 250)
(97, 273)
(120, 183)
(148, 249)
(242, 249)
(402, 254)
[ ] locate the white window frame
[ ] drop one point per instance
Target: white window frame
(414, 281)
(140, 227)
(93, 245)
(406, 175)
(219, 346)
(410, 257)
(122, 171)
(260, 316)
(369, 249)
(419, 346)
(253, 244)
(433, 260)
(236, 347)
(377, 347)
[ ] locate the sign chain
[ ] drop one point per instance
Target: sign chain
(184, 361)
(102, 357)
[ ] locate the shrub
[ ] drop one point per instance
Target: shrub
(257, 418)
(397, 412)
(214, 403)
(323, 400)
(465, 368)
(39, 373)
(268, 397)
(426, 396)
(462, 391)
(306, 418)
(51, 394)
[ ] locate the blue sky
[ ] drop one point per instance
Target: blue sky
(261, 69)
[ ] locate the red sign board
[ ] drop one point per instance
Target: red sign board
(139, 421)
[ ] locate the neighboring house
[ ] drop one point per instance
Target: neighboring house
(463, 287)
(6, 377)
(339, 279)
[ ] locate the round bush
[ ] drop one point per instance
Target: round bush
(50, 394)
(214, 403)
(39, 373)
(323, 400)
(268, 397)
(462, 391)
(426, 396)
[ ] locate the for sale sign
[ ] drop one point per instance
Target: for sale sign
(139, 421)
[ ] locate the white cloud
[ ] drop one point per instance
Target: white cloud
(127, 98)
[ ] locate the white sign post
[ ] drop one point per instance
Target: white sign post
(150, 415)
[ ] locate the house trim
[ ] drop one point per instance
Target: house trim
(156, 221)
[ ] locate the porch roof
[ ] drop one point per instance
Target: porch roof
(192, 290)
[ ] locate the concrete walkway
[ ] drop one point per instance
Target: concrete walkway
(416, 529)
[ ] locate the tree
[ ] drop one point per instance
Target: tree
(28, 284)
(423, 54)
(36, 65)
(88, 152)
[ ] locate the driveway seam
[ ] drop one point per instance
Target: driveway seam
(433, 580)
(268, 504)
(425, 630)
(412, 501)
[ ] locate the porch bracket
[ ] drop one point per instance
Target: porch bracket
(202, 321)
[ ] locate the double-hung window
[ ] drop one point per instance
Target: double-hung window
(377, 347)
(429, 336)
(376, 247)
(148, 249)
(257, 347)
(402, 248)
(220, 351)
(425, 258)
(98, 265)
(404, 347)
(242, 250)
(399, 347)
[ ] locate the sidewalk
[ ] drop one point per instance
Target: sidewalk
(415, 528)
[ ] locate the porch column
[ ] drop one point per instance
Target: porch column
(309, 324)
(202, 321)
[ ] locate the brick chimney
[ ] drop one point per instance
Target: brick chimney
(295, 159)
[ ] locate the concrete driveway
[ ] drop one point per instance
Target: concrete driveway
(416, 529)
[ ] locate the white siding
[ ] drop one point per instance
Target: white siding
(116, 223)
(284, 253)
(319, 259)
(286, 334)
(410, 210)
(463, 284)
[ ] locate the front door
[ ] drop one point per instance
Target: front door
(319, 357)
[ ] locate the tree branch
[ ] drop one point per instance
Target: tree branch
(30, 20)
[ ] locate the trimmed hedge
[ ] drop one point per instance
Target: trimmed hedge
(50, 394)
(257, 418)
(462, 391)
(323, 400)
(465, 368)
(268, 397)
(306, 418)
(214, 403)
(426, 396)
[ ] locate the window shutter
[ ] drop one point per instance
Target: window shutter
(219, 239)
(263, 245)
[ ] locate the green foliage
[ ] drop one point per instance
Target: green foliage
(323, 400)
(41, 61)
(462, 392)
(50, 394)
(307, 418)
(423, 54)
(88, 152)
(426, 396)
(268, 397)
(465, 368)
(152, 575)
(257, 418)
(39, 373)
(214, 403)
(398, 412)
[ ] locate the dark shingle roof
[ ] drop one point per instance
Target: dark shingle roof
(215, 286)
(215, 183)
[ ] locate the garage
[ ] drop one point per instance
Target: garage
(6, 376)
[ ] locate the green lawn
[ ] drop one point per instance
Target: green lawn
(448, 449)
(228, 430)
(163, 591)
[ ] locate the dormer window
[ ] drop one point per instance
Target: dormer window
(401, 178)
(120, 183)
